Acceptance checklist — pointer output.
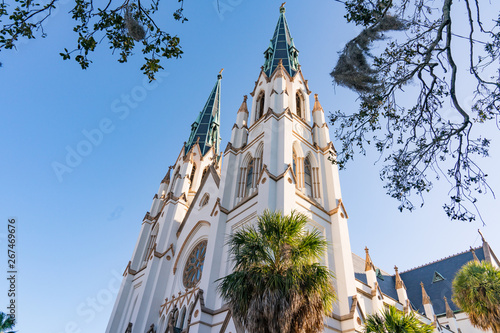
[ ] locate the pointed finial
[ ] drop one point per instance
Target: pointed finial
(220, 74)
(482, 238)
(243, 107)
(425, 298)
(317, 105)
(166, 179)
(399, 281)
(449, 311)
(282, 7)
(368, 261)
(474, 254)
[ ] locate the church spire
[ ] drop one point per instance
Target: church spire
(205, 130)
(281, 48)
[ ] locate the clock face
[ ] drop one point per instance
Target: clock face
(194, 265)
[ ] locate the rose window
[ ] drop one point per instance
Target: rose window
(194, 265)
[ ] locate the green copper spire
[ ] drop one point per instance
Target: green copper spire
(281, 48)
(205, 130)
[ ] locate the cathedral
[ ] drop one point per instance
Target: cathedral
(278, 158)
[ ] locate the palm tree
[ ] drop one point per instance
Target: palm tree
(277, 285)
(6, 323)
(394, 321)
(476, 290)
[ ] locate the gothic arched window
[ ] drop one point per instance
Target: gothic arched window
(191, 177)
(298, 104)
(294, 163)
(180, 322)
(258, 161)
(170, 321)
(308, 177)
(161, 327)
(249, 178)
(174, 181)
(151, 243)
(175, 316)
(194, 265)
(260, 106)
(204, 200)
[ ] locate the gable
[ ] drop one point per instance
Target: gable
(209, 184)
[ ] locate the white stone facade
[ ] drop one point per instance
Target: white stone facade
(285, 143)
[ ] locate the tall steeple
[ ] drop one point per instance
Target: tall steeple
(205, 130)
(281, 48)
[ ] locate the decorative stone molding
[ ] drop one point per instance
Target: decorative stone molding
(129, 270)
(186, 240)
(162, 254)
(183, 298)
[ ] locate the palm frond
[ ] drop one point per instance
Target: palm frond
(476, 290)
(394, 321)
(277, 285)
(7, 323)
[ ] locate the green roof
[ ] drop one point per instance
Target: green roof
(205, 130)
(281, 48)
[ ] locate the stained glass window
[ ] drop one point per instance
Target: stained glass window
(249, 180)
(308, 177)
(294, 163)
(194, 265)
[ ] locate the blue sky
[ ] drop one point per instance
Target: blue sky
(77, 230)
